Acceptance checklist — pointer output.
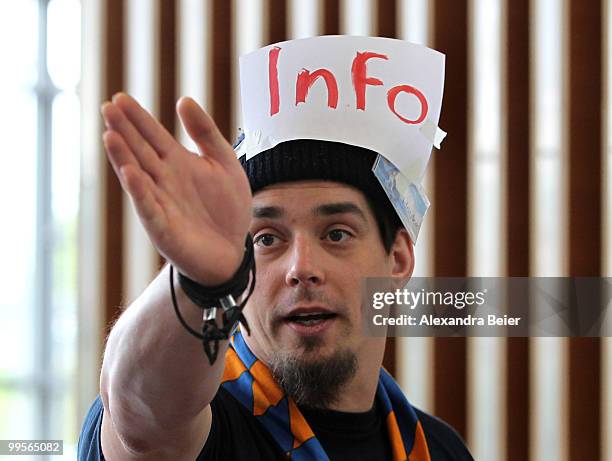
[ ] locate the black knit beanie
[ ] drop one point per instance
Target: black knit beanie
(309, 159)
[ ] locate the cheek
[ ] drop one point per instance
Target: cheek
(349, 286)
(263, 296)
(379, 266)
(267, 281)
(352, 280)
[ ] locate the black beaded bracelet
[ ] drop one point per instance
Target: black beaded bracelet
(210, 298)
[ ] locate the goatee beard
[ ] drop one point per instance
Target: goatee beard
(314, 383)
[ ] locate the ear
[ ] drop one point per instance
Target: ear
(402, 254)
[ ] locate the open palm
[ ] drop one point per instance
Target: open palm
(195, 208)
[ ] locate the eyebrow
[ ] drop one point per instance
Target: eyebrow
(327, 209)
(271, 212)
(330, 209)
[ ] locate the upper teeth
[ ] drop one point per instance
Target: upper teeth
(305, 314)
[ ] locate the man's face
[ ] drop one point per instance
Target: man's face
(315, 241)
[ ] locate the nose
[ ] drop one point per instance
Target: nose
(304, 266)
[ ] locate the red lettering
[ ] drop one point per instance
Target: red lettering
(273, 80)
(360, 78)
(392, 94)
(305, 80)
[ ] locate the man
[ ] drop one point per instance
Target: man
(300, 380)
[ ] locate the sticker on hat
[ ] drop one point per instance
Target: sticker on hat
(408, 198)
(378, 93)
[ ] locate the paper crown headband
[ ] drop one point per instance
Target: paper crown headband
(378, 93)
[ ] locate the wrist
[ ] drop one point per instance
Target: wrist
(223, 297)
(206, 296)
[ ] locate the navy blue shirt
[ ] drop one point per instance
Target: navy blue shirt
(236, 434)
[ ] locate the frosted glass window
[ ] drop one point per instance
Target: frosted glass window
(39, 198)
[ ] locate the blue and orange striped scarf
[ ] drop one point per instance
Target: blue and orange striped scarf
(252, 384)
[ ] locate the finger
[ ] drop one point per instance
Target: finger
(118, 152)
(117, 121)
(202, 129)
(153, 131)
(140, 187)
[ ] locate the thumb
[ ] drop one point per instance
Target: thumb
(203, 130)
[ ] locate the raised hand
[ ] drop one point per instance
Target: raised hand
(195, 208)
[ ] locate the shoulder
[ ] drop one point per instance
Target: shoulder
(235, 434)
(443, 441)
(94, 441)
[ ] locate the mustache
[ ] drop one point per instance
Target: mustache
(306, 295)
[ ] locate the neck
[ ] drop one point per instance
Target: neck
(358, 394)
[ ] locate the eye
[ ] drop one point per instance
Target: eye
(338, 235)
(265, 240)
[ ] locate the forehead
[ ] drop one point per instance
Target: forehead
(302, 196)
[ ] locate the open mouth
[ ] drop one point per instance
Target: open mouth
(311, 323)
(310, 319)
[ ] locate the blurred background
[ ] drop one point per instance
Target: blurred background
(521, 187)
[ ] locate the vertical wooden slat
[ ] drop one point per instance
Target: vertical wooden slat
(386, 18)
(517, 398)
(585, 220)
(517, 137)
(113, 218)
(277, 21)
(450, 164)
(585, 398)
(167, 63)
(585, 143)
(331, 17)
(167, 70)
(222, 65)
(450, 37)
